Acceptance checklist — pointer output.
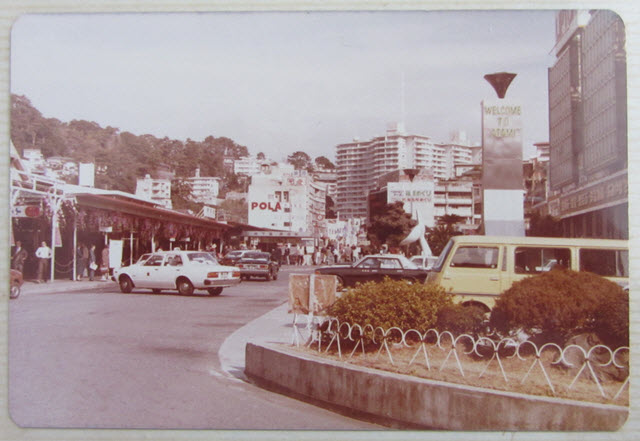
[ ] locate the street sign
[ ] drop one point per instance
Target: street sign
(25, 211)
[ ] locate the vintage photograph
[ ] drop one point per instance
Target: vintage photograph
(319, 220)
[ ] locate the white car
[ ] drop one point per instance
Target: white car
(425, 262)
(184, 271)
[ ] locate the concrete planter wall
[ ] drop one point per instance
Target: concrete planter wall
(417, 402)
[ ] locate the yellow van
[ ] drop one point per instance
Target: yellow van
(478, 268)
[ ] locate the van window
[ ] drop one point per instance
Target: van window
(475, 257)
(534, 260)
(607, 263)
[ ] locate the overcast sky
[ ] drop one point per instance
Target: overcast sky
(281, 82)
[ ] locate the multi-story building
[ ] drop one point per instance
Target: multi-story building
(280, 201)
(204, 189)
(588, 125)
(361, 163)
(251, 165)
(156, 190)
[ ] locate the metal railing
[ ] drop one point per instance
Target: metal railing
(578, 361)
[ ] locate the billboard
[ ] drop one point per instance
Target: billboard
(416, 197)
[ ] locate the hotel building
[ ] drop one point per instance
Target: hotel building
(359, 164)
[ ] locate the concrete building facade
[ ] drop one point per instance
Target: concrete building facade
(359, 164)
(156, 190)
(588, 125)
(280, 201)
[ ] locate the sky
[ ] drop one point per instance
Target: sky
(279, 82)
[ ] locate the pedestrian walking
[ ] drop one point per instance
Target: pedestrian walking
(81, 262)
(18, 257)
(43, 253)
(287, 252)
(92, 262)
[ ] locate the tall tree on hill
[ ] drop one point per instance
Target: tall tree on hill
(324, 162)
(300, 161)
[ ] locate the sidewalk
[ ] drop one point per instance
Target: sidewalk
(272, 327)
(31, 286)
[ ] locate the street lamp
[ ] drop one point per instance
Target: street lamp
(500, 82)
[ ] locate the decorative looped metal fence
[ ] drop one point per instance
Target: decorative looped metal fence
(586, 361)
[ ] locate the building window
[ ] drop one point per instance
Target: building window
(286, 196)
(287, 224)
(279, 196)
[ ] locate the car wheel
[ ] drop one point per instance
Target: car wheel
(14, 292)
(156, 291)
(126, 285)
(214, 291)
(185, 287)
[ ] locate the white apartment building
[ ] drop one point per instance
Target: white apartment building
(251, 165)
(360, 163)
(204, 189)
(156, 190)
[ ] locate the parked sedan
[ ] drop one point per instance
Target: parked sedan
(375, 268)
(258, 264)
(184, 271)
(232, 257)
(425, 262)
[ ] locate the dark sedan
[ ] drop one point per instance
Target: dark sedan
(232, 257)
(375, 268)
(258, 264)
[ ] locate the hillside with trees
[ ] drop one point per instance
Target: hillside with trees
(120, 157)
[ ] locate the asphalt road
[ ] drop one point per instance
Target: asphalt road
(103, 359)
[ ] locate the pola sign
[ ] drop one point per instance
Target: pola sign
(266, 206)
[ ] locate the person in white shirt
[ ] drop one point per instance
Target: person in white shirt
(43, 253)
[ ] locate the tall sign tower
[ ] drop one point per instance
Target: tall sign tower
(502, 178)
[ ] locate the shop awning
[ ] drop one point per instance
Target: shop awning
(143, 209)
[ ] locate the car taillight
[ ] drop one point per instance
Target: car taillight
(240, 265)
(264, 266)
(236, 274)
(213, 275)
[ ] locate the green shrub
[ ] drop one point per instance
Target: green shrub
(392, 303)
(461, 319)
(562, 303)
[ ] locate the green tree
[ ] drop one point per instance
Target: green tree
(300, 161)
(390, 226)
(444, 230)
(181, 197)
(438, 237)
(235, 210)
(324, 162)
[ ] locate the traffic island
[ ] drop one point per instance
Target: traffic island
(410, 402)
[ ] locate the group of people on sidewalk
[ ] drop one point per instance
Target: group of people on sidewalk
(43, 254)
(86, 263)
(86, 260)
(299, 255)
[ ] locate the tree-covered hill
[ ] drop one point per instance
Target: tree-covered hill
(120, 157)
